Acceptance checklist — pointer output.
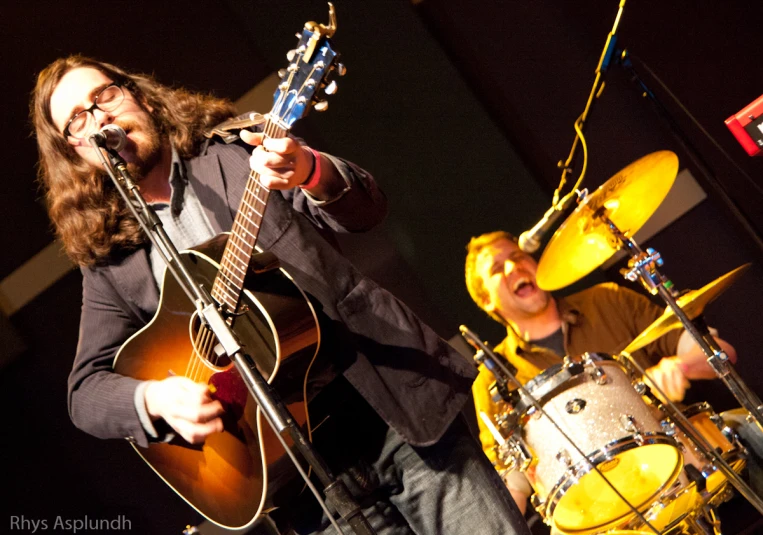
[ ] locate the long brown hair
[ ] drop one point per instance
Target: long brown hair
(88, 214)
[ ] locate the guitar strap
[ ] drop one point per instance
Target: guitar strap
(228, 130)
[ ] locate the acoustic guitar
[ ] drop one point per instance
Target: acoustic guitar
(236, 473)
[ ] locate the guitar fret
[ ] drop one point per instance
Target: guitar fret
(249, 229)
(240, 243)
(226, 299)
(230, 276)
(250, 220)
(246, 253)
(237, 267)
(245, 229)
(239, 225)
(226, 291)
(251, 207)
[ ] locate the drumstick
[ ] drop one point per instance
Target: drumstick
(492, 428)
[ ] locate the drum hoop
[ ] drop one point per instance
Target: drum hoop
(697, 408)
(574, 473)
(554, 377)
(546, 383)
(663, 501)
(734, 458)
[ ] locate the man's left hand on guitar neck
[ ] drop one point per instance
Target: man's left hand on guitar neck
(284, 163)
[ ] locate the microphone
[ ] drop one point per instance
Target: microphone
(529, 240)
(111, 137)
(484, 353)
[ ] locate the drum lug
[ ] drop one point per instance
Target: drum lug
(514, 455)
(597, 373)
(564, 457)
(599, 376)
(629, 424)
(669, 428)
(718, 421)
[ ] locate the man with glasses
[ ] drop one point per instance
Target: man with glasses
(394, 381)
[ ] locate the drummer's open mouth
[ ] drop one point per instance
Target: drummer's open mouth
(523, 287)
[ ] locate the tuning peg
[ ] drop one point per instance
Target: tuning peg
(341, 70)
(281, 73)
(298, 35)
(331, 88)
(290, 54)
(321, 106)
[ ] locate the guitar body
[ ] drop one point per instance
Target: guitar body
(226, 478)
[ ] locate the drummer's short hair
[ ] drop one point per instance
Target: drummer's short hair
(473, 280)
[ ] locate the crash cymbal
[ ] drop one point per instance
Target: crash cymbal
(693, 303)
(584, 242)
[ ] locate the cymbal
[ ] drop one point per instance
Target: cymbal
(584, 242)
(693, 303)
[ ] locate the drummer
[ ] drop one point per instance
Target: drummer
(542, 329)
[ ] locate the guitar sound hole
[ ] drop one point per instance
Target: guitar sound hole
(206, 346)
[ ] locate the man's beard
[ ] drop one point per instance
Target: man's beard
(144, 148)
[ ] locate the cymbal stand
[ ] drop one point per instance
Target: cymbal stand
(643, 267)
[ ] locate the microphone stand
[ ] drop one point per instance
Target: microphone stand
(596, 90)
(558, 207)
(275, 412)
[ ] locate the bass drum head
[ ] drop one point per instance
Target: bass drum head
(640, 474)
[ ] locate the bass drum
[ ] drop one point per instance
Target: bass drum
(596, 406)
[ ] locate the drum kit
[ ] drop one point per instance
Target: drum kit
(603, 452)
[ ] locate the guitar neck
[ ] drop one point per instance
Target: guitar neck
(229, 281)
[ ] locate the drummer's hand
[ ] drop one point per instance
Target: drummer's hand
(282, 163)
(669, 377)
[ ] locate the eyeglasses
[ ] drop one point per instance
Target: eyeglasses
(82, 123)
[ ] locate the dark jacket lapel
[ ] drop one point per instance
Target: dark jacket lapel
(206, 177)
(130, 277)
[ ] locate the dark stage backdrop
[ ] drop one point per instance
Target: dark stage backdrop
(460, 109)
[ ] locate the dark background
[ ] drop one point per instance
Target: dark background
(460, 109)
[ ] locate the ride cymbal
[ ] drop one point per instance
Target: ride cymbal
(584, 241)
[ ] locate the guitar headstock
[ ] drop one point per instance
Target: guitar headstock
(307, 80)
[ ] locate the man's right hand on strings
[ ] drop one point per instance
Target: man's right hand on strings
(187, 407)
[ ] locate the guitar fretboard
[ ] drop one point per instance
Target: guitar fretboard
(229, 281)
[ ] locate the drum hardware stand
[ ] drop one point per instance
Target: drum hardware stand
(485, 355)
(269, 403)
(643, 267)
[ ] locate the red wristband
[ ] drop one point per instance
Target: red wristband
(315, 175)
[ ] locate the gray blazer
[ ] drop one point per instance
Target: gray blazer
(409, 375)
